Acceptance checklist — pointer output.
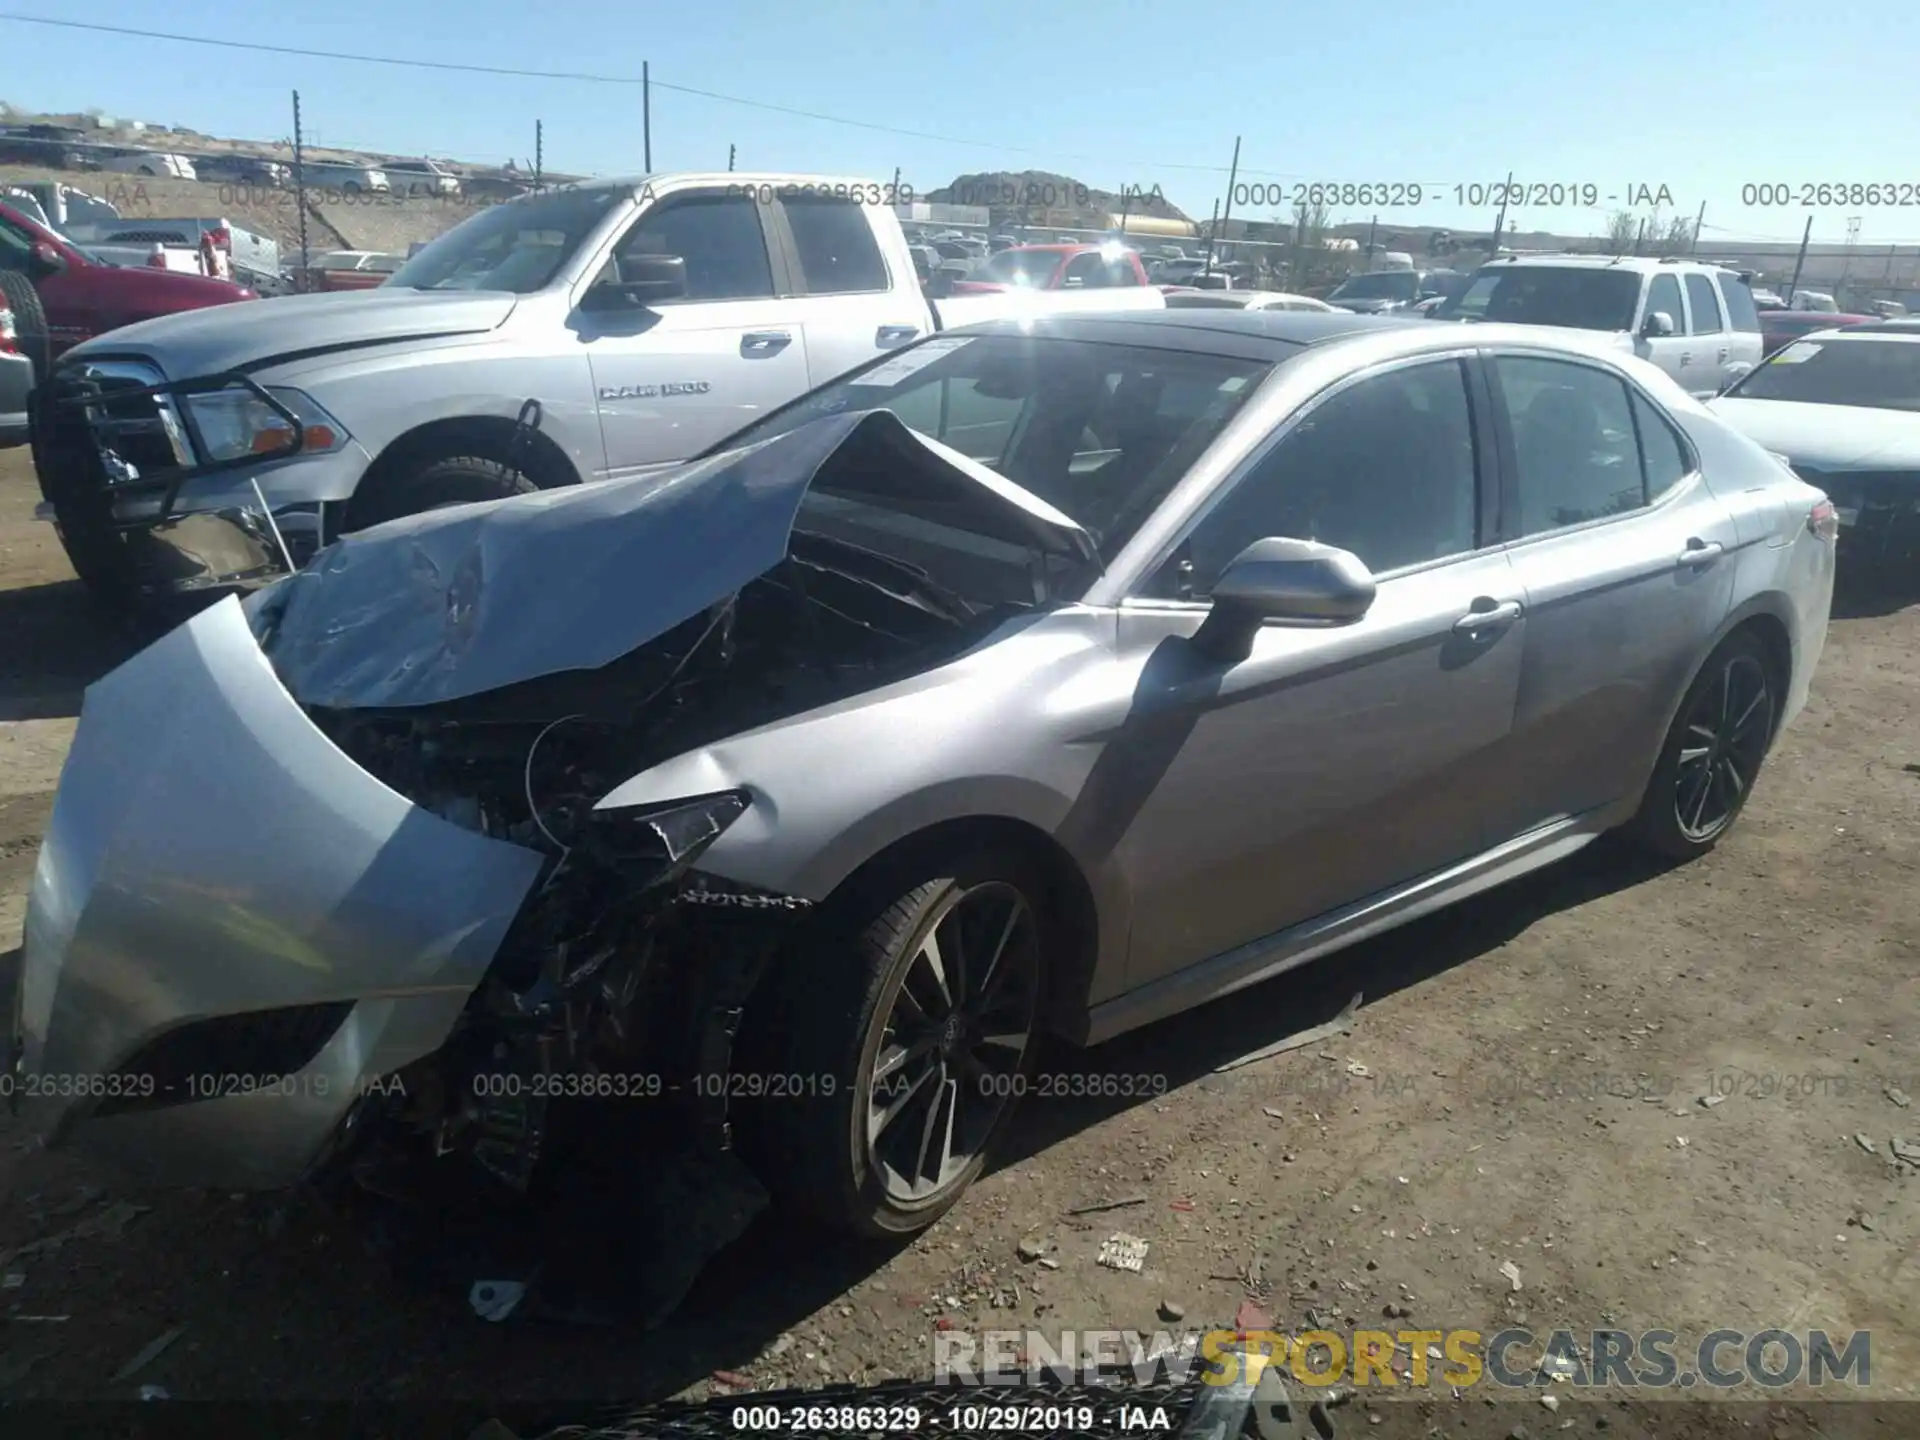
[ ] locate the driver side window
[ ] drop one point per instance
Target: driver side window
(1385, 468)
(720, 238)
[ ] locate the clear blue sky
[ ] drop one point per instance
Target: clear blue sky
(1700, 101)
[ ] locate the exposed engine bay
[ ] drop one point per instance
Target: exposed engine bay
(610, 1013)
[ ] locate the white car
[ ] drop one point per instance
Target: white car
(1243, 300)
(348, 178)
(1842, 407)
(157, 163)
(421, 177)
(1695, 321)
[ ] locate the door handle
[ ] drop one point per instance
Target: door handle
(1724, 352)
(1686, 357)
(1700, 553)
(890, 335)
(1487, 617)
(756, 344)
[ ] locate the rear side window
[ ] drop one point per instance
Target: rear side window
(838, 254)
(1741, 314)
(1663, 296)
(1705, 304)
(1573, 440)
(1662, 455)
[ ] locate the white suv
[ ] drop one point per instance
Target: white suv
(1695, 321)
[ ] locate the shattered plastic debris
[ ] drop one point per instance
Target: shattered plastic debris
(1121, 1251)
(1339, 1025)
(150, 1353)
(1903, 1151)
(1865, 1142)
(1898, 1096)
(495, 1300)
(109, 1224)
(1512, 1272)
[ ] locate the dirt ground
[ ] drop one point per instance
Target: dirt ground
(1521, 1087)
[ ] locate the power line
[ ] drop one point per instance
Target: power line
(588, 77)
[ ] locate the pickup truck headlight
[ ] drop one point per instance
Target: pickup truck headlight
(236, 422)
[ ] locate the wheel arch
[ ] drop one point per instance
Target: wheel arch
(490, 437)
(1769, 616)
(1071, 911)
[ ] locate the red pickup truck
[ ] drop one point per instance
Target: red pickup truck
(82, 298)
(1053, 267)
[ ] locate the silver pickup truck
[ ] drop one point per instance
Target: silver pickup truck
(572, 335)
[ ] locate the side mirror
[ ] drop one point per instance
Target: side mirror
(47, 259)
(1279, 579)
(642, 279)
(1657, 326)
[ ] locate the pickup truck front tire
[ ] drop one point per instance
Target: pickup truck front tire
(455, 480)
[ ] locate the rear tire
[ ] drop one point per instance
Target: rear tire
(454, 480)
(891, 1100)
(29, 320)
(1713, 752)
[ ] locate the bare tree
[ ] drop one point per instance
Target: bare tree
(1623, 227)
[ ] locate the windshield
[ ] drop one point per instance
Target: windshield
(1876, 374)
(1100, 432)
(1032, 268)
(1578, 297)
(1383, 285)
(517, 247)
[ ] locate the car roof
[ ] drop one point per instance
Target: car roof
(1257, 334)
(1877, 330)
(1635, 263)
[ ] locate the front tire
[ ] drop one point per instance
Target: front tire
(454, 480)
(1713, 752)
(910, 1027)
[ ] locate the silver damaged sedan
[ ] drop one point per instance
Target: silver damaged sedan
(1047, 676)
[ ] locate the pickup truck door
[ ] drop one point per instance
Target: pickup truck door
(845, 301)
(671, 377)
(71, 301)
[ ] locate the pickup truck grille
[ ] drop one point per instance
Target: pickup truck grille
(90, 431)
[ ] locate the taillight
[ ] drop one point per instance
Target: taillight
(1823, 520)
(222, 238)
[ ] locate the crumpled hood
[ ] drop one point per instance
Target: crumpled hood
(471, 598)
(1827, 437)
(192, 343)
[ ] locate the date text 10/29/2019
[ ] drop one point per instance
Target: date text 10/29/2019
(1410, 194)
(136, 1085)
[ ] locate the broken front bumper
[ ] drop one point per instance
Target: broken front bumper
(234, 931)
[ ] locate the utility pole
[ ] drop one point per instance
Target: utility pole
(1698, 220)
(1800, 260)
(300, 196)
(1500, 221)
(1372, 225)
(730, 158)
(1640, 235)
(1233, 174)
(1846, 261)
(1213, 227)
(539, 153)
(646, 119)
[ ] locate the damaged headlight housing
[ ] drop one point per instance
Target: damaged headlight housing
(674, 834)
(236, 422)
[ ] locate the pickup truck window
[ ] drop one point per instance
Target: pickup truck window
(720, 238)
(1030, 268)
(838, 254)
(1099, 431)
(517, 247)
